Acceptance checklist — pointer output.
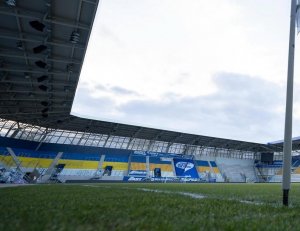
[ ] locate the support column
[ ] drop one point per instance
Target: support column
(15, 158)
(49, 171)
(210, 167)
(129, 165)
(173, 167)
(100, 164)
(196, 166)
(147, 166)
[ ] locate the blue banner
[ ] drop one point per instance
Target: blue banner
(186, 168)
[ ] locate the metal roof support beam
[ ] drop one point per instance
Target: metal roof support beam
(186, 149)
(77, 21)
(32, 113)
(15, 133)
(129, 142)
(108, 136)
(11, 127)
(38, 57)
(152, 141)
(90, 2)
(76, 133)
(150, 145)
(7, 34)
(172, 142)
(49, 83)
(31, 70)
(38, 16)
(168, 147)
(43, 137)
(132, 137)
(21, 36)
(113, 130)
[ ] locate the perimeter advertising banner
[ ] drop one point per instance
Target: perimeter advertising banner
(138, 173)
(158, 154)
(186, 168)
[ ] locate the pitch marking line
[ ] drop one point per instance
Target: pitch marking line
(187, 194)
(196, 195)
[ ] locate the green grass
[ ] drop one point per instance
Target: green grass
(128, 207)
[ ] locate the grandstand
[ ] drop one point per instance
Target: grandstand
(42, 51)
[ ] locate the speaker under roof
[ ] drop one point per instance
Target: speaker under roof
(45, 103)
(45, 110)
(43, 87)
(37, 25)
(41, 64)
(39, 49)
(42, 78)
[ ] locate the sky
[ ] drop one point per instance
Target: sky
(214, 68)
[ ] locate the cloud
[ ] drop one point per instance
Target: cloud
(122, 91)
(152, 63)
(86, 105)
(242, 108)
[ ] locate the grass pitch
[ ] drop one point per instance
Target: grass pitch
(148, 207)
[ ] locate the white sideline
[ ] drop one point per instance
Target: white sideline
(192, 195)
(188, 194)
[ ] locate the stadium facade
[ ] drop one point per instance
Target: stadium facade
(42, 51)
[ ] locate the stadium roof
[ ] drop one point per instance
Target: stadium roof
(43, 44)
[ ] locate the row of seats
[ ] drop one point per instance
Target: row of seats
(85, 164)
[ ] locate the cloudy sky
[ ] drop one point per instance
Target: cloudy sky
(215, 68)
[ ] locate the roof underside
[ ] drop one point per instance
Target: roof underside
(42, 47)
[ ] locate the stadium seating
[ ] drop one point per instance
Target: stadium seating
(203, 166)
(92, 165)
(165, 164)
(277, 175)
(138, 163)
(32, 159)
(214, 167)
(118, 162)
(208, 170)
(78, 166)
(9, 171)
(237, 170)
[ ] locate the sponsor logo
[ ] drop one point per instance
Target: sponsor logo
(135, 178)
(184, 165)
(132, 178)
(137, 172)
(140, 153)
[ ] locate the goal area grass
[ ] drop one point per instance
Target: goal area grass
(148, 206)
